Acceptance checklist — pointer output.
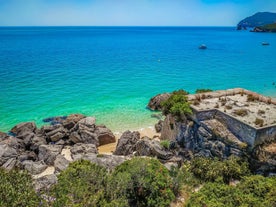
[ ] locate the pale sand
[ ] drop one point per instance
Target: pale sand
(49, 171)
(109, 148)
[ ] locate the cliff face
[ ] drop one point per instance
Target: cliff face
(257, 20)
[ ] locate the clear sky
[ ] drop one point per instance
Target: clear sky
(129, 12)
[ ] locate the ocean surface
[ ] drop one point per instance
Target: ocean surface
(112, 72)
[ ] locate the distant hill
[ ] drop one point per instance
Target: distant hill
(257, 20)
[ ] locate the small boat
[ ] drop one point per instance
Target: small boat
(202, 47)
(265, 43)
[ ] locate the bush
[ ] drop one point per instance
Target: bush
(251, 191)
(259, 122)
(143, 182)
(240, 112)
(165, 144)
(207, 169)
(177, 105)
(81, 184)
(16, 189)
(203, 90)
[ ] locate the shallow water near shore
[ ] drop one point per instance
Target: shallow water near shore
(112, 72)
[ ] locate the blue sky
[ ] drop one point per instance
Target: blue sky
(129, 12)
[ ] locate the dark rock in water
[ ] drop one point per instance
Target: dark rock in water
(265, 43)
(48, 153)
(34, 168)
(55, 120)
(155, 102)
(127, 143)
(24, 128)
(148, 147)
(45, 182)
(79, 150)
(158, 126)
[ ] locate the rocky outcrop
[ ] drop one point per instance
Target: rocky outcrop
(127, 143)
(152, 148)
(155, 102)
(78, 151)
(158, 126)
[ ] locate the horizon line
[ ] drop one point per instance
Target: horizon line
(116, 26)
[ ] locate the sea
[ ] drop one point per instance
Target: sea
(112, 72)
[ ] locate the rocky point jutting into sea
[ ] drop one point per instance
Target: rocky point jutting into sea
(234, 122)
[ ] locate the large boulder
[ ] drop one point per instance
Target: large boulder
(158, 126)
(58, 132)
(104, 135)
(84, 132)
(24, 128)
(127, 143)
(48, 153)
(155, 102)
(148, 147)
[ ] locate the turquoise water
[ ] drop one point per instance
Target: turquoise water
(112, 72)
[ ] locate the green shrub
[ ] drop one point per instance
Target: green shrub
(251, 191)
(16, 189)
(259, 122)
(165, 144)
(240, 112)
(143, 182)
(81, 184)
(177, 105)
(203, 90)
(207, 169)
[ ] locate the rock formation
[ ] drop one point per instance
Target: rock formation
(155, 102)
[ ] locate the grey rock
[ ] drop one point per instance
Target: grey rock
(158, 126)
(155, 102)
(6, 153)
(147, 147)
(24, 128)
(79, 150)
(34, 168)
(27, 155)
(127, 143)
(218, 149)
(88, 122)
(10, 164)
(45, 182)
(104, 135)
(48, 153)
(108, 161)
(58, 133)
(61, 163)
(71, 120)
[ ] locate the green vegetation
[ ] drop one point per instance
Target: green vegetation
(240, 112)
(203, 90)
(251, 191)
(143, 182)
(208, 170)
(269, 27)
(177, 105)
(165, 144)
(16, 189)
(81, 184)
(259, 122)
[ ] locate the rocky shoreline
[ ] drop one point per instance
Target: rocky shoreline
(44, 152)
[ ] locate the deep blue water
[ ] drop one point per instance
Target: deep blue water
(111, 72)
